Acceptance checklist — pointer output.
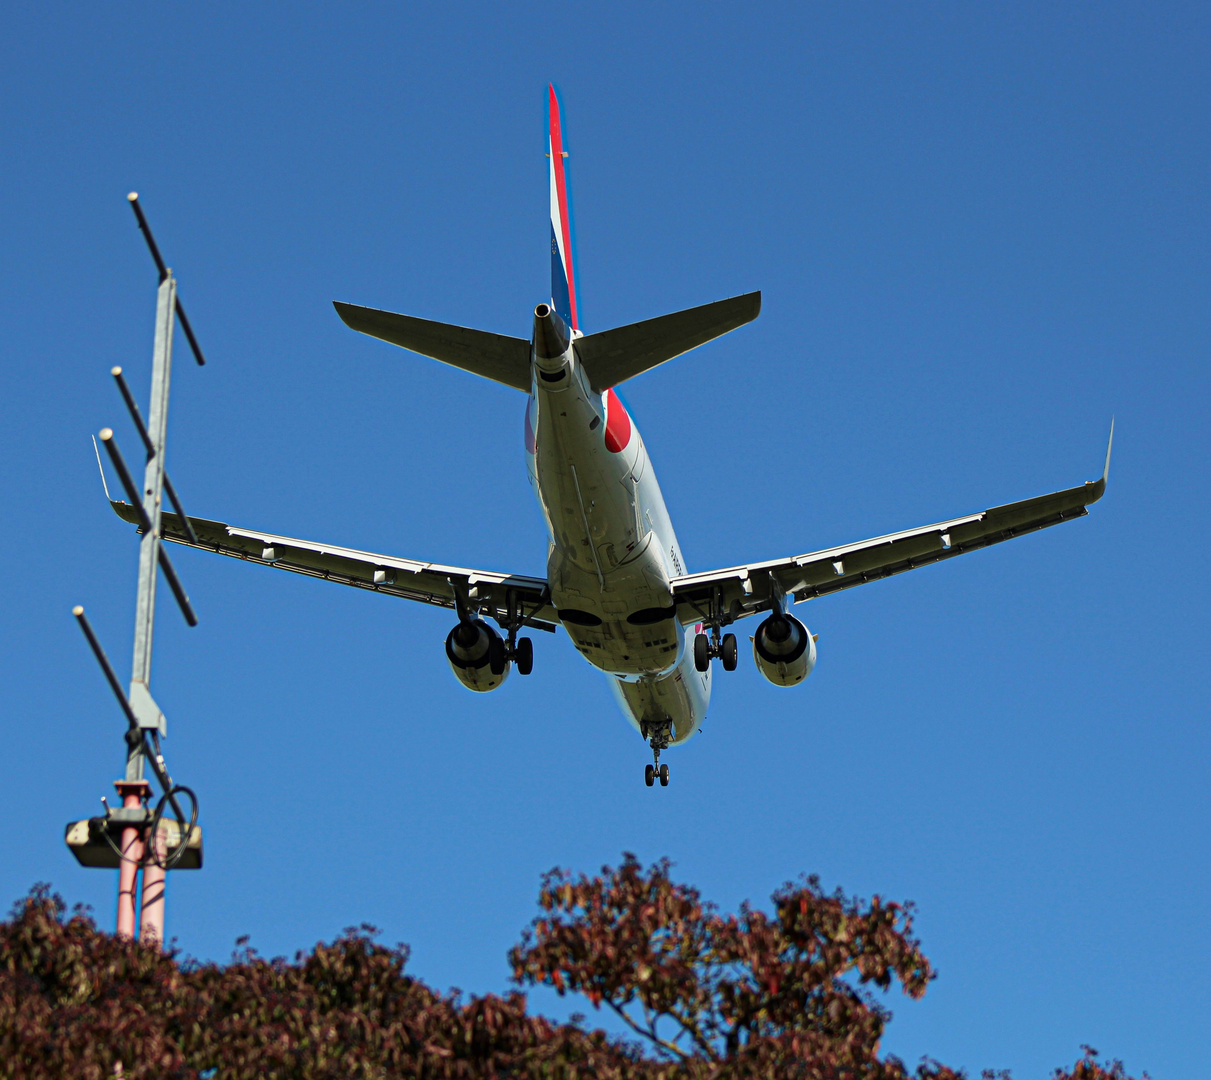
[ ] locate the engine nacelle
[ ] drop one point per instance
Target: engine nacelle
(470, 648)
(784, 650)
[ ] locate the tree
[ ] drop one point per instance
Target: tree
(748, 995)
(707, 996)
(75, 1002)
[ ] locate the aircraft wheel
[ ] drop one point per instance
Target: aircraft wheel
(496, 656)
(727, 652)
(524, 656)
(702, 652)
(649, 774)
(664, 776)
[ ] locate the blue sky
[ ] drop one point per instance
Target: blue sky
(980, 230)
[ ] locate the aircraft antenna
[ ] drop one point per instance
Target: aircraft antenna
(133, 838)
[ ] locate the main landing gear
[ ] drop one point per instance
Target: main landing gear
(724, 648)
(521, 652)
(707, 642)
(658, 736)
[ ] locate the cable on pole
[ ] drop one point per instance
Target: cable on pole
(184, 831)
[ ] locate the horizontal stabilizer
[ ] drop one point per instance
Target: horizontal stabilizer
(615, 355)
(494, 356)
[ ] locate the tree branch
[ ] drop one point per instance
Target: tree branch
(649, 1033)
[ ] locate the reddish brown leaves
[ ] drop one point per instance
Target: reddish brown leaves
(766, 993)
(76, 1002)
(1090, 1068)
(743, 996)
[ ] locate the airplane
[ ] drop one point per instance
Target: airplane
(616, 580)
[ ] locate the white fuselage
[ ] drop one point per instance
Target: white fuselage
(613, 549)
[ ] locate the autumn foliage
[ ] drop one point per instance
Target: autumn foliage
(784, 994)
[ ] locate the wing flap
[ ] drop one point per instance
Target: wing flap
(490, 592)
(494, 356)
(613, 356)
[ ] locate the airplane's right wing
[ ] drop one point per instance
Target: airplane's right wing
(489, 593)
(743, 590)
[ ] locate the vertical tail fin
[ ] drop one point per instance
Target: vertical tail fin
(563, 278)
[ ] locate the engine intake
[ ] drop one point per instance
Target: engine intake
(474, 650)
(784, 650)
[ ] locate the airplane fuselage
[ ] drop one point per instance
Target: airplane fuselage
(613, 549)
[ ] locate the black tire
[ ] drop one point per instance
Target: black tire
(496, 656)
(649, 774)
(664, 776)
(702, 652)
(524, 656)
(727, 652)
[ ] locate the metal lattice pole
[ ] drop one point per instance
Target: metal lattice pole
(149, 547)
(144, 846)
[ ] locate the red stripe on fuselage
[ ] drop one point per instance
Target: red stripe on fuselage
(561, 193)
(618, 424)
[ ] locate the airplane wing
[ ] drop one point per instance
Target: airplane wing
(743, 590)
(429, 583)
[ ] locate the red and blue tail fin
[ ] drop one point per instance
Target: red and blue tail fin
(563, 278)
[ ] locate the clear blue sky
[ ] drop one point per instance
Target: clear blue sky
(980, 230)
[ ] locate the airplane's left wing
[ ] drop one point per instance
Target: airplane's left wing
(743, 590)
(492, 594)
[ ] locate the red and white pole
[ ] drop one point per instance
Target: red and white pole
(133, 793)
(154, 878)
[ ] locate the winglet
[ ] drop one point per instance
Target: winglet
(1099, 486)
(104, 485)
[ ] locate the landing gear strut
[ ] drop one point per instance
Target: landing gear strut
(707, 648)
(519, 650)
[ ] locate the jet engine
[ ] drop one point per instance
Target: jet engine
(477, 655)
(784, 650)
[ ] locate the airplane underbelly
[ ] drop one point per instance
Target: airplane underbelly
(624, 621)
(678, 698)
(620, 649)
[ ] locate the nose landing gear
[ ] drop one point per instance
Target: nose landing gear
(658, 736)
(651, 773)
